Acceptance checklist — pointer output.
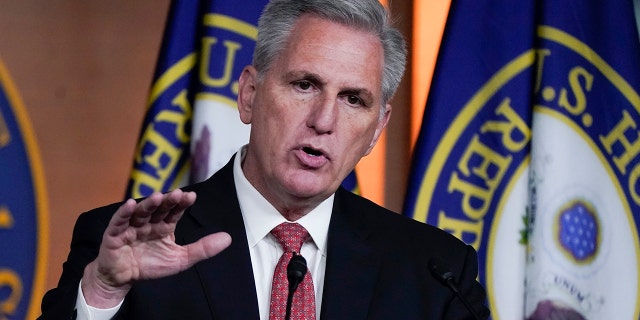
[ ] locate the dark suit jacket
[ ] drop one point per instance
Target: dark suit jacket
(377, 265)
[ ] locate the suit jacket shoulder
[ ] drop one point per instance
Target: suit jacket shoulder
(377, 266)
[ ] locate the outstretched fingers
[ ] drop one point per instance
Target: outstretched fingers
(180, 202)
(121, 220)
(152, 217)
(139, 243)
(156, 207)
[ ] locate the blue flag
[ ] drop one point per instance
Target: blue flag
(530, 152)
(205, 45)
(24, 220)
(192, 127)
(351, 183)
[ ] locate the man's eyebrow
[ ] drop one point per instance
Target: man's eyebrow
(356, 91)
(300, 74)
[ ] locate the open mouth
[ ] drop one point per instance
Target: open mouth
(311, 151)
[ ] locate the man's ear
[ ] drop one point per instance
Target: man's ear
(247, 93)
(382, 123)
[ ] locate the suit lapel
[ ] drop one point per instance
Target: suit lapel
(228, 276)
(352, 264)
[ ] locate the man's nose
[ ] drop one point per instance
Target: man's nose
(323, 115)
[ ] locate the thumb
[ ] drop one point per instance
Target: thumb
(206, 247)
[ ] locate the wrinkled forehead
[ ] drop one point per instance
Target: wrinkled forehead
(333, 51)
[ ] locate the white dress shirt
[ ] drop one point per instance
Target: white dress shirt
(259, 218)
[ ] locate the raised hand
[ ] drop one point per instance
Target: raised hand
(139, 244)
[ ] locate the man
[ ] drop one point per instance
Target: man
(317, 98)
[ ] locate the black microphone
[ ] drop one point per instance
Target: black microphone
(296, 269)
(441, 271)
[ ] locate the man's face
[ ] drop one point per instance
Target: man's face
(314, 114)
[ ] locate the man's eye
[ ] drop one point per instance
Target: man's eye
(352, 99)
(303, 85)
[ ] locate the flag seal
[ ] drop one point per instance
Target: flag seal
(586, 172)
(23, 209)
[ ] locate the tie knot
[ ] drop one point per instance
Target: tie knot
(291, 236)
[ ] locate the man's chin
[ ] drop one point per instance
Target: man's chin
(306, 188)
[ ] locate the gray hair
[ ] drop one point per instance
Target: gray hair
(279, 16)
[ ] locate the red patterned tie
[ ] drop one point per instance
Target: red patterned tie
(291, 236)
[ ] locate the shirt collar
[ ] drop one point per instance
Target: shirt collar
(260, 216)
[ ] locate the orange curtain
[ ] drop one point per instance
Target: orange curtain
(429, 17)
